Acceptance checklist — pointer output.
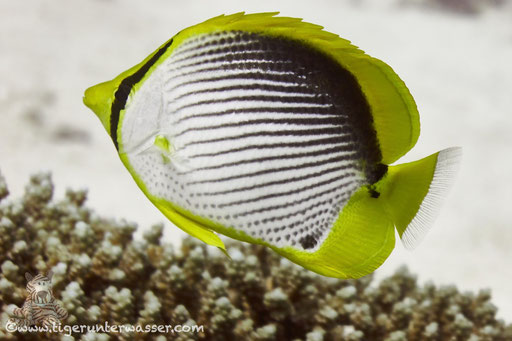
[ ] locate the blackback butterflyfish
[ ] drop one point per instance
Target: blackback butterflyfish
(272, 131)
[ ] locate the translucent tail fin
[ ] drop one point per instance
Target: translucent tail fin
(414, 192)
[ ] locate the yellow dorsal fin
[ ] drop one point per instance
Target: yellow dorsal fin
(394, 112)
(396, 118)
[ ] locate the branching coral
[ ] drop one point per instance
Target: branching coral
(103, 274)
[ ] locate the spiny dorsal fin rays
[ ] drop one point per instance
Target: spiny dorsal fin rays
(394, 111)
(447, 166)
(269, 23)
(309, 205)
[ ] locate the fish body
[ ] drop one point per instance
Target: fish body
(272, 131)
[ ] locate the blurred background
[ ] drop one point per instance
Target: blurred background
(454, 55)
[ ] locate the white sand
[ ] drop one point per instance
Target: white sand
(457, 67)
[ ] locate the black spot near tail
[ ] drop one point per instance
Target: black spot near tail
(308, 242)
(373, 192)
(376, 172)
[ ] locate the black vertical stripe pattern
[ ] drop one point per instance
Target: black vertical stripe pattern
(124, 89)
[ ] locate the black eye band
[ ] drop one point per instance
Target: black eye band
(122, 93)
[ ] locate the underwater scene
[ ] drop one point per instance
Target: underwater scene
(331, 170)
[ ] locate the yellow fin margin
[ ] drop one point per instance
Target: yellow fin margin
(194, 227)
(363, 236)
(359, 242)
(396, 118)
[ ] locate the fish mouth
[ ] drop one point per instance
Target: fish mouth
(99, 99)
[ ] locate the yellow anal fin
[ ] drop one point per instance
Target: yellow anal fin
(360, 240)
(190, 226)
(413, 192)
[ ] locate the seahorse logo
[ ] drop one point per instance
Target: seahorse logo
(40, 307)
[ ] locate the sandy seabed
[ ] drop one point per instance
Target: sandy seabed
(456, 66)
